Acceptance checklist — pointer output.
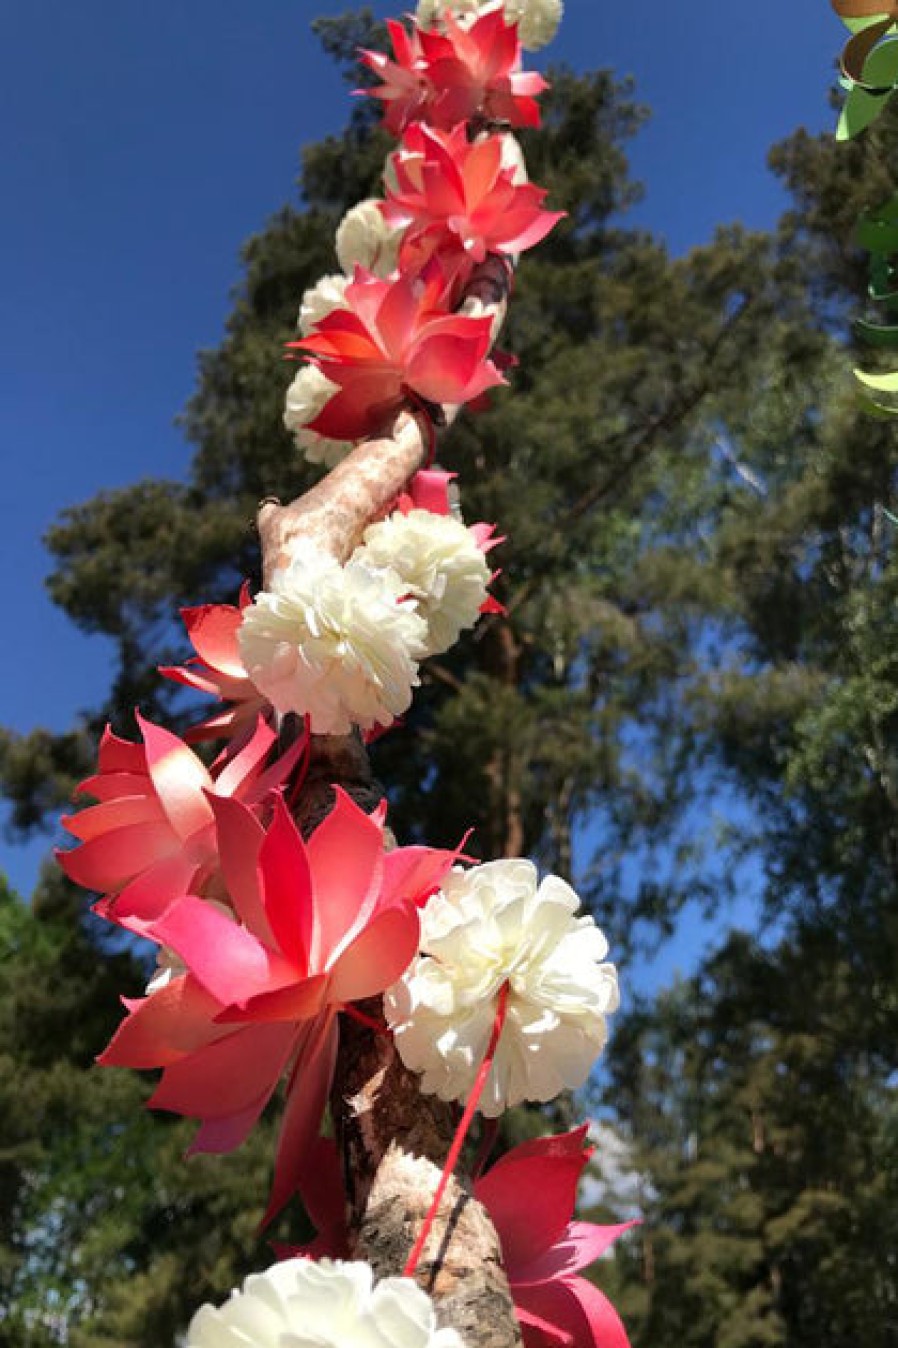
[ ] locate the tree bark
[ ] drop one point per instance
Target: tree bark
(393, 1139)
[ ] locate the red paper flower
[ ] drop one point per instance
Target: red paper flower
(456, 75)
(395, 339)
(458, 203)
(218, 669)
(152, 836)
(317, 925)
(530, 1195)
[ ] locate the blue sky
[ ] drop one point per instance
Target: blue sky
(141, 144)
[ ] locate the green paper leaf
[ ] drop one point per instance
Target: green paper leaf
(880, 383)
(859, 111)
(858, 25)
(875, 409)
(881, 66)
(876, 334)
(883, 287)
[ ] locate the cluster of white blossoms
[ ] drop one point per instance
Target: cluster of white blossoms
(537, 20)
(339, 644)
(301, 1303)
(488, 926)
(342, 644)
(441, 565)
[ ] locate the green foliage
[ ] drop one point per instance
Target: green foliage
(766, 1142)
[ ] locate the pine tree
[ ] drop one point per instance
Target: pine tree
(760, 1095)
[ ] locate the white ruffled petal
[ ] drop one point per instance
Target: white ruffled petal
(441, 566)
(364, 239)
(320, 300)
(310, 391)
(301, 1303)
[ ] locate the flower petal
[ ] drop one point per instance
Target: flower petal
(307, 1095)
(229, 961)
(378, 956)
(228, 1076)
(164, 1027)
(179, 778)
(578, 1247)
(345, 854)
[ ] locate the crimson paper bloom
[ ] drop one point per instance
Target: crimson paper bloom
(152, 838)
(456, 75)
(530, 1195)
(218, 669)
(317, 924)
(395, 339)
(458, 203)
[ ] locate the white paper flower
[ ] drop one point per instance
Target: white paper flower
(440, 564)
(364, 239)
(320, 300)
(537, 20)
(306, 397)
(301, 1303)
(339, 643)
(429, 12)
(487, 926)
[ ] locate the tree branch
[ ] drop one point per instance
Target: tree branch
(393, 1140)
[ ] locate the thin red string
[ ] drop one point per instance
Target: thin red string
(368, 1021)
(461, 1133)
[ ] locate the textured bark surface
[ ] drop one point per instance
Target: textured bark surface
(393, 1140)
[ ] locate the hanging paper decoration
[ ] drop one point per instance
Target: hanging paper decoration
(869, 62)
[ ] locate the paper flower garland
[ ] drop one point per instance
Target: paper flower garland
(494, 989)
(489, 926)
(329, 1304)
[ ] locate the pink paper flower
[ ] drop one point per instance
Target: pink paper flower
(456, 75)
(317, 925)
(395, 339)
(217, 668)
(152, 835)
(530, 1195)
(458, 204)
